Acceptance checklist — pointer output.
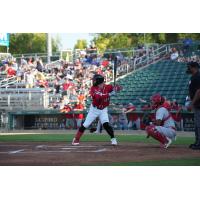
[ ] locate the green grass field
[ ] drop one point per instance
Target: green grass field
(104, 138)
(86, 138)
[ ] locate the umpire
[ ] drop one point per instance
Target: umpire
(194, 92)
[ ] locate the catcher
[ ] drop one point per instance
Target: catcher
(163, 127)
(100, 93)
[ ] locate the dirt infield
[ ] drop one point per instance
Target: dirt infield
(88, 153)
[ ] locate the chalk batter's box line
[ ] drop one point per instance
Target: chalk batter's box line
(21, 151)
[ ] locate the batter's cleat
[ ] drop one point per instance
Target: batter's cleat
(114, 141)
(166, 145)
(75, 142)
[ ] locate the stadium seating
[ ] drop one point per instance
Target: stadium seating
(23, 99)
(165, 77)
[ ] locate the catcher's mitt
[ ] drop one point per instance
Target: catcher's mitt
(146, 119)
(118, 88)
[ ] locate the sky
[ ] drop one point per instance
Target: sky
(68, 40)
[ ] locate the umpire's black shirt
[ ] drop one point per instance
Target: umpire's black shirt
(194, 85)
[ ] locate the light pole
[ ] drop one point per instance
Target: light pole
(49, 48)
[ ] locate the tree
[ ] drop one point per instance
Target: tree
(21, 43)
(126, 40)
(80, 44)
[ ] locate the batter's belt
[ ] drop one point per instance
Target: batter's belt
(97, 107)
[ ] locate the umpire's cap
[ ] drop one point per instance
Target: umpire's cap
(192, 64)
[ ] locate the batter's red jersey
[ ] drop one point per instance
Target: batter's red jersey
(100, 96)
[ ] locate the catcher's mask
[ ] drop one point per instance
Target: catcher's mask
(157, 100)
(97, 79)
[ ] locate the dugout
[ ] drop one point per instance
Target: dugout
(53, 119)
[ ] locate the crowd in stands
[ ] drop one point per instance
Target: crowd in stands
(71, 81)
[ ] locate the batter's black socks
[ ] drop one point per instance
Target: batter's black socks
(109, 129)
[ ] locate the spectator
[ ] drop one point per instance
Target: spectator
(39, 65)
(67, 85)
(57, 81)
(79, 117)
(10, 71)
(31, 62)
(66, 108)
(19, 74)
(73, 96)
(41, 80)
(187, 42)
(174, 54)
(133, 118)
(176, 115)
(123, 121)
(81, 97)
(29, 79)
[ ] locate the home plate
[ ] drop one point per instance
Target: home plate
(67, 148)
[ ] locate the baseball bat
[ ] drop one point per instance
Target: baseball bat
(115, 70)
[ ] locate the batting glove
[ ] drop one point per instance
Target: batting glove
(112, 93)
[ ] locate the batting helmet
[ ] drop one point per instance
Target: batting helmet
(157, 100)
(97, 79)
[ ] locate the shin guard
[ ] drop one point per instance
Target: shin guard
(151, 131)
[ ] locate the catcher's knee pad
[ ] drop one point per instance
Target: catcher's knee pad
(151, 131)
(109, 129)
(82, 128)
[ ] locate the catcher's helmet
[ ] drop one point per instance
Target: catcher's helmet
(97, 79)
(157, 100)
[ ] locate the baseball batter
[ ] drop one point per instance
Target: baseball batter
(163, 128)
(100, 93)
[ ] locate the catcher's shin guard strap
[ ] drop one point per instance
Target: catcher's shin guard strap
(151, 131)
(80, 132)
(109, 129)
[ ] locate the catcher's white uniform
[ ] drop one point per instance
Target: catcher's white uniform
(168, 128)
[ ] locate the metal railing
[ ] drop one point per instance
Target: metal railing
(5, 83)
(43, 56)
(130, 64)
(23, 99)
(186, 51)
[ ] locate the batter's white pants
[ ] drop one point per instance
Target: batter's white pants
(168, 132)
(94, 113)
